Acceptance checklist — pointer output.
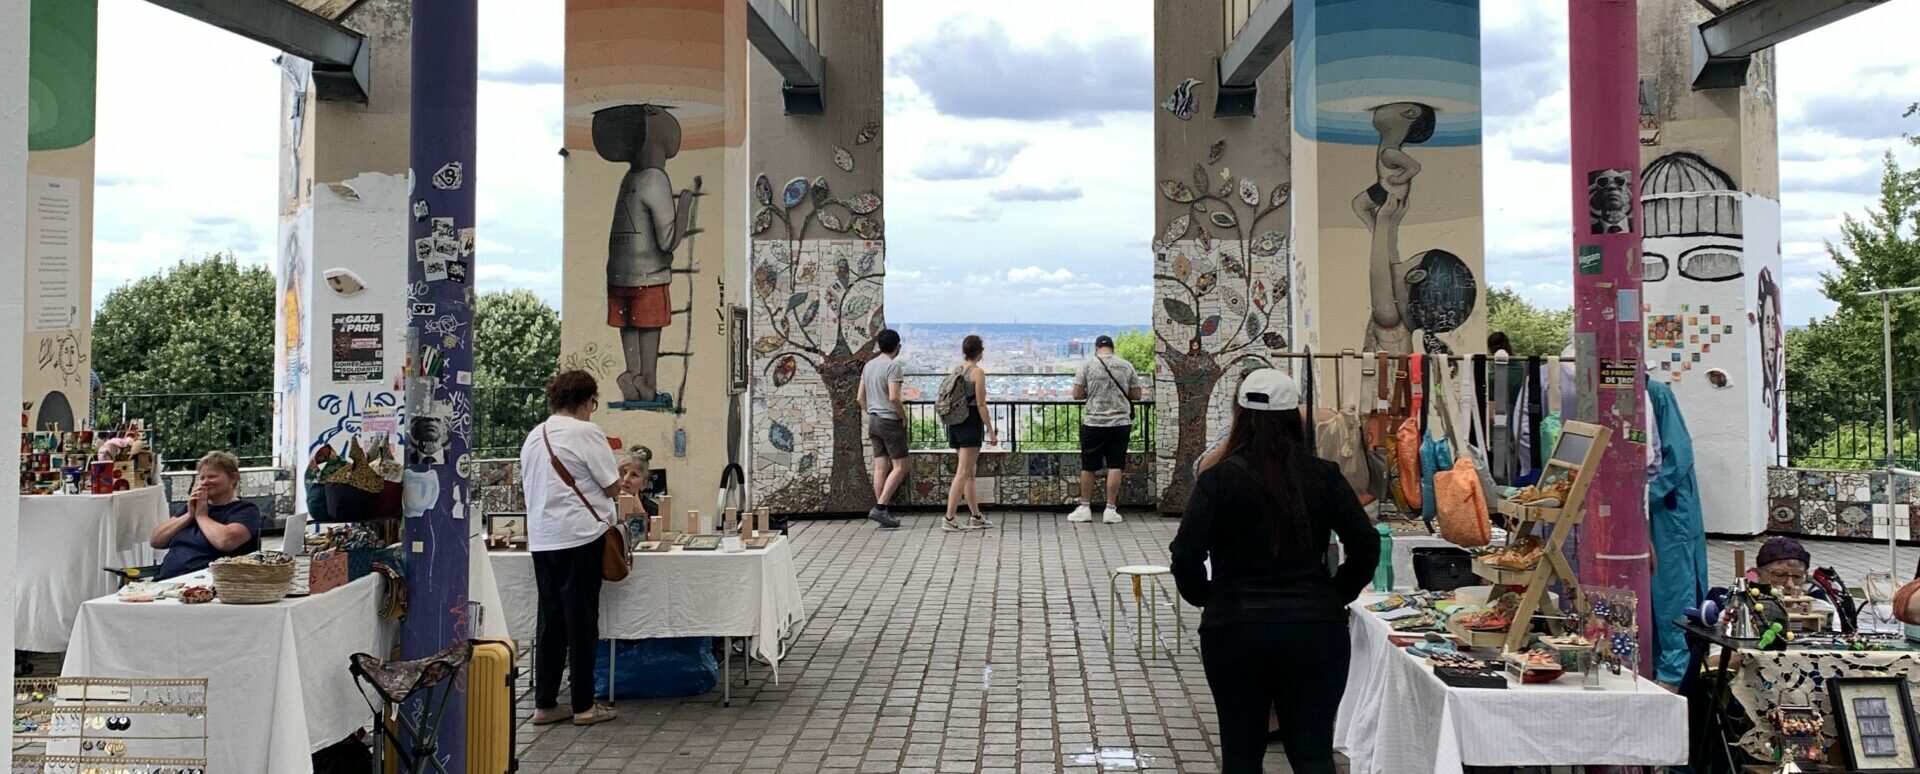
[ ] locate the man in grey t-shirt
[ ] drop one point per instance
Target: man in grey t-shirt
(880, 399)
(1109, 385)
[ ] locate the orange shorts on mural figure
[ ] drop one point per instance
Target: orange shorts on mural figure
(642, 307)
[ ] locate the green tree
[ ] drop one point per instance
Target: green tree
(190, 350)
(516, 351)
(1136, 347)
(1531, 329)
(1834, 363)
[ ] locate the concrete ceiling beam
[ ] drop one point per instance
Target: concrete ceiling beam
(340, 56)
(1267, 33)
(778, 37)
(1723, 44)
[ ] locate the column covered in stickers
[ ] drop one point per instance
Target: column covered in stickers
(439, 387)
(1613, 546)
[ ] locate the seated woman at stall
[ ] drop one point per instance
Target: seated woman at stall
(1784, 564)
(215, 522)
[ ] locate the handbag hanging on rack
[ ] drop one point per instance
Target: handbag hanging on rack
(1459, 500)
(1337, 439)
(1409, 441)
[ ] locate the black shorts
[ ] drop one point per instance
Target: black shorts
(969, 434)
(1104, 448)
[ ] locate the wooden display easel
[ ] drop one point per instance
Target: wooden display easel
(1567, 459)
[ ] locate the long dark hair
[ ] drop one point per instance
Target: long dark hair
(1273, 446)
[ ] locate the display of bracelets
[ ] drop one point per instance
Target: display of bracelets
(1456, 661)
(1796, 721)
(1414, 623)
(51, 764)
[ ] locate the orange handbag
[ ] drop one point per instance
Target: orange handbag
(1459, 502)
(1407, 451)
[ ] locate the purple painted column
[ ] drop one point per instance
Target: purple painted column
(440, 345)
(1604, 75)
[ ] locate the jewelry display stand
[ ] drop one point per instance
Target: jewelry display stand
(97, 724)
(1577, 454)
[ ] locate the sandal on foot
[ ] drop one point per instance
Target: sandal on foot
(596, 715)
(550, 716)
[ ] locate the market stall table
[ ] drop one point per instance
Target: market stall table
(1762, 678)
(66, 543)
(753, 593)
(1398, 718)
(278, 688)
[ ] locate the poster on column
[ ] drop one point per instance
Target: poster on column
(359, 349)
(53, 253)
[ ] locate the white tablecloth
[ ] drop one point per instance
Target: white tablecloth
(66, 542)
(677, 594)
(278, 688)
(1398, 718)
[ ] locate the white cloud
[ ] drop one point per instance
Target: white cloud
(1032, 274)
(969, 214)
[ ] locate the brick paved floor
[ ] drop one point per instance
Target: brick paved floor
(977, 652)
(928, 651)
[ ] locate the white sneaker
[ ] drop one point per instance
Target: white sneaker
(1081, 515)
(1112, 516)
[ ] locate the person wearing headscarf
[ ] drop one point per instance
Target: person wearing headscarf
(1678, 534)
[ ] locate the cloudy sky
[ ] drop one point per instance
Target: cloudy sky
(1019, 158)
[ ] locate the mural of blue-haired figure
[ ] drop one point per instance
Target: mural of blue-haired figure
(1387, 105)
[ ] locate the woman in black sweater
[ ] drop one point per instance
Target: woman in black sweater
(1273, 632)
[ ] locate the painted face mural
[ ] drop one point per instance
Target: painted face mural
(1693, 264)
(1773, 352)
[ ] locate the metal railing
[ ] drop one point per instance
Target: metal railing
(187, 424)
(1027, 426)
(1847, 429)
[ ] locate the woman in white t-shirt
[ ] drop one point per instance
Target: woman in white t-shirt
(564, 525)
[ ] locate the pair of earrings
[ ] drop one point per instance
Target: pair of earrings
(110, 722)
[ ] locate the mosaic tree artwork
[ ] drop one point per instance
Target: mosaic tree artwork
(1223, 277)
(818, 268)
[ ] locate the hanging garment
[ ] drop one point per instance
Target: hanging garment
(1504, 467)
(1678, 534)
(1550, 419)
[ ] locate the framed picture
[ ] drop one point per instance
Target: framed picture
(513, 525)
(1875, 717)
(737, 355)
(703, 542)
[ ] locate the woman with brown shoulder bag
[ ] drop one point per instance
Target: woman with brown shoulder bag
(570, 477)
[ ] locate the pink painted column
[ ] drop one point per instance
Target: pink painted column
(1604, 74)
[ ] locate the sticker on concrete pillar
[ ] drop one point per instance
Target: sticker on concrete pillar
(1618, 373)
(466, 242)
(420, 210)
(1610, 201)
(423, 310)
(1182, 103)
(450, 177)
(442, 229)
(1627, 304)
(419, 490)
(1637, 436)
(1590, 260)
(428, 435)
(465, 466)
(445, 251)
(457, 271)
(423, 249)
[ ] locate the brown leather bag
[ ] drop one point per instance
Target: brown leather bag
(616, 561)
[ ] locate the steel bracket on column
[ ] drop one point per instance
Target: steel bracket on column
(340, 56)
(779, 38)
(1723, 44)
(1266, 34)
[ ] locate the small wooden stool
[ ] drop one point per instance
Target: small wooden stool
(1136, 572)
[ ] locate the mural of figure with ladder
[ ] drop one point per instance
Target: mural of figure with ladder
(649, 223)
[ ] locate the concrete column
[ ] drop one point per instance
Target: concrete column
(819, 269)
(56, 371)
(655, 237)
(1387, 143)
(13, 220)
(438, 254)
(1710, 189)
(1224, 274)
(1613, 546)
(343, 211)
